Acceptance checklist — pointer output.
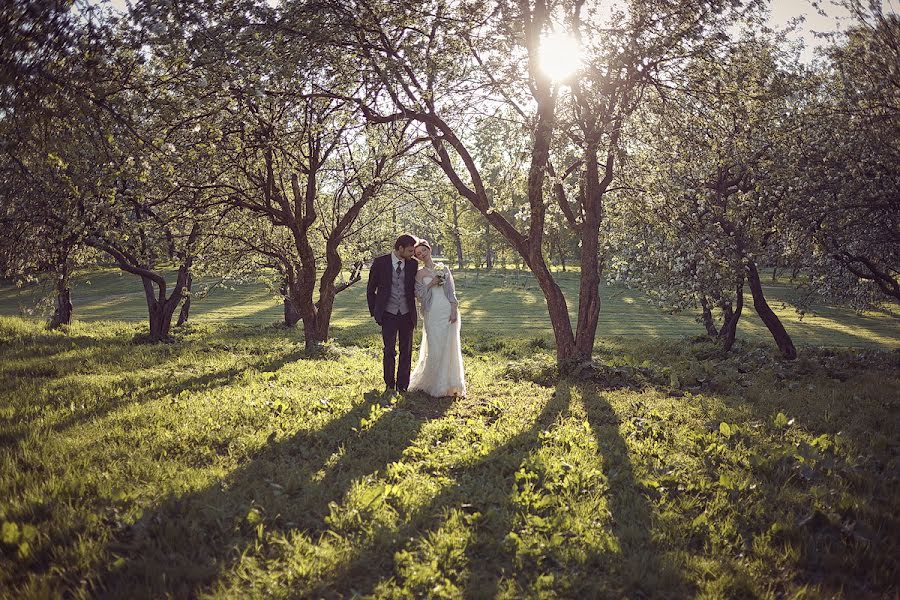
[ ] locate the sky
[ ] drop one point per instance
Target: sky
(782, 12)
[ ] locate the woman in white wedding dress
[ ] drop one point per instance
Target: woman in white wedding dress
(439, 371)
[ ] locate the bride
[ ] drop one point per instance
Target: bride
(439, 371)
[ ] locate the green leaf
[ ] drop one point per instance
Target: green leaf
(726, 429)
(781, 420)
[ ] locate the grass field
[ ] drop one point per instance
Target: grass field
(230, 464)
(496, 302)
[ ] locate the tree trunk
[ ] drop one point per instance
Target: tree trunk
(62, 312)
(775, 274)
(727, 313)
(729, 330)
(161, 314)
(768, 316)
(291, 315)
(162, 307)
(489, 249)
(457, 238)
(559, 314)
(589, 286)
(186, 305)
(708, 318)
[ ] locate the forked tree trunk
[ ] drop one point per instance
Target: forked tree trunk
(768, 316)
(708, 318)
(161, 314)
(162, 307)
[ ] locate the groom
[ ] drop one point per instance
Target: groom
(392, 301)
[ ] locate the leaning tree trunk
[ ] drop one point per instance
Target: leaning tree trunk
(186, 305)
(768, 316)
(708, 318)
(62, 312)
(728, 333)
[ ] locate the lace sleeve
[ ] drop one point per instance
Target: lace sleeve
(423, 293)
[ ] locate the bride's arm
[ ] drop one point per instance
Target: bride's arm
(423, 293)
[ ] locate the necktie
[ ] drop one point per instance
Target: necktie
(399, 267)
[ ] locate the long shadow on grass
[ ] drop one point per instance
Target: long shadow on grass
(483, 487)
(486, 487)
(642, 570)
(184, 544)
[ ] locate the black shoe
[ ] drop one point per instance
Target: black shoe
(388, 388)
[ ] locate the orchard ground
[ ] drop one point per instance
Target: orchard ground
(504, 300)
(232, 464)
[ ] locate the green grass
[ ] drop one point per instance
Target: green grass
(230, 464)
(500, 301)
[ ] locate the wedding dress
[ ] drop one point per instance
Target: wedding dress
(439, 371)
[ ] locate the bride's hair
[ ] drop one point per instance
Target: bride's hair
(424, 243)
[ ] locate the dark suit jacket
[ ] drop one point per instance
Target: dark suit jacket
(378, 291)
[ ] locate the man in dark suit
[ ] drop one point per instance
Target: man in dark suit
(392, 301)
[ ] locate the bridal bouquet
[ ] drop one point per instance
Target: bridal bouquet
(440, 273)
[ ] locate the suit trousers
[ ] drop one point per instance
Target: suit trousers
(394, 327)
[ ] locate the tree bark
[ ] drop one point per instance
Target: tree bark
(186, 305)
(291, 314)
(488, 248)
(457, 238)
(162, 307)
(768, 316)
(728, 333)
(62, 312)
(708, 318)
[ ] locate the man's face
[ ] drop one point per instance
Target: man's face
(406, 252)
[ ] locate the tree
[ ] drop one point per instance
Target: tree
(55, 70)
(714, 203)
(449, 71)
(846, 166)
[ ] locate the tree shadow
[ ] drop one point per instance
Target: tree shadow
(288, 485)
(376, 560)
(643, 568)
(485, 490)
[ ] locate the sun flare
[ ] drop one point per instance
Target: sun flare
(560, 56)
